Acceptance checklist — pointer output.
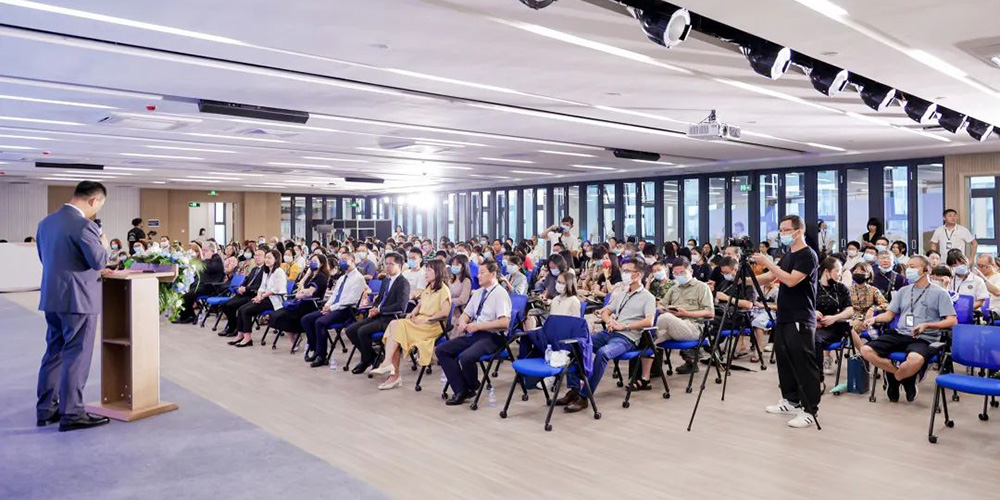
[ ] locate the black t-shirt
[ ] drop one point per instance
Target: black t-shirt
(702, 272)
(135, 234)
(833, 299)
(797, 304)
(716, 275)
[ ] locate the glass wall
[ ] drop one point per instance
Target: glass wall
(691, 197)
(671, 210)
(982, 212)
(484, 214)
(930, 202)
(541, 214)
(629, 194)
(795, 194)
(501, 216)
(529, 213)
(558, 203)
(608, 201)
(648, 211)
(463, 217)
(740, 208)
(299, 214)
(767, 188)
(857, 203)
(592, 232)
(573, 201)
(895, 189)
(827, 203)
(286, 217)
(717, 211)
(514, 227)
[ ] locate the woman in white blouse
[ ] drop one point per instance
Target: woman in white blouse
(566, 302)
(274, 286)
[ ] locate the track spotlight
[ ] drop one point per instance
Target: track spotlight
(666, 27)
(919, 110)
(952, 121)
(979, 131)
(827, 79)
(767, 58)
(537, 4)
(875, 95)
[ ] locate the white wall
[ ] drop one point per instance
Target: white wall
(22, 206)
(121, 207)
(198, 218)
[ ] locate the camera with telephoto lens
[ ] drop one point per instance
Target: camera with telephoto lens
(743, 243)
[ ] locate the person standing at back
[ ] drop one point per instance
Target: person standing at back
(799, 375)
(953, 235)
(135, 234)
(72, 251)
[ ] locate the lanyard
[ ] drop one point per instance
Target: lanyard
(482, 302)
(918, 298)
(956, 285)
(625, 301)
(948, 236)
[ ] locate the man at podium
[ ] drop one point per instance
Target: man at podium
(72, 250)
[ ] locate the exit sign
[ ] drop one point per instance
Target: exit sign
(194, 204)
(745, 188)
(354, 204)
(213, 193)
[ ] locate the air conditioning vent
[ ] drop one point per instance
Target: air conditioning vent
(146, 122)
(266, 133)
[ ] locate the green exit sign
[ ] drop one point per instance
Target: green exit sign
(354, 204)
(213, 193)
(744, 188)
(194, 204)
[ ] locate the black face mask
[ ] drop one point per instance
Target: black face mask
(860, 277)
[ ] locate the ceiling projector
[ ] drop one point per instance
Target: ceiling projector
(711, 129)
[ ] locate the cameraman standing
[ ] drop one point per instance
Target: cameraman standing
(798, 372)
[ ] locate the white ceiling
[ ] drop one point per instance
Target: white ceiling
(474, 91)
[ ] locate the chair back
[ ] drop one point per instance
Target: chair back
(964, 307)
(291, 288)
(985, 310)
(375, 286)
(583, 308)
(976, 346)
(607, 300)
(518, 307)
(556, 329)
(237, 281)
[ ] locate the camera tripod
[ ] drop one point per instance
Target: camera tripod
(744, 275)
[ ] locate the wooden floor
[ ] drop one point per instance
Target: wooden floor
(409, 445)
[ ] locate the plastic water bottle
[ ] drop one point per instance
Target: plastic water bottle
(493, 397)
(333, 364)
(444, 380)
(548, 354)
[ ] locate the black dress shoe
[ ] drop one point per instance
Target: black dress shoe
(458, 399)
(85, 421)
(360, 368)
(318, 362)
(233, 342)
(570, 397)
(310, 357)
(42, 422)
(247, 344)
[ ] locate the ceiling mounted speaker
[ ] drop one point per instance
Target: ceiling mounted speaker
(537, 4)
(827, 79)
(251, 111)
(767, 58)
(629, 154)
(875, 95)
(919, 110)
(952, 121)
(979, 131)
(667, 27)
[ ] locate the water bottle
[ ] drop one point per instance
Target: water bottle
(548, 354)
(333, 364)
(444, 380)
(492, 397)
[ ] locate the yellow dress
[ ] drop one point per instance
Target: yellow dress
(409, 334)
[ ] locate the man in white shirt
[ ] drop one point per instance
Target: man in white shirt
(339, 309)
(562, 233)
(965, 281)
(481, 330)
(854, 257)
(414, 272)
(953, 235)
(987, 270)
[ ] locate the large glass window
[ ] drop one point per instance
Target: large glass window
(286, 218)
(740, 207)
(795, 194)
(628, 195)
(501, 216)
(513, 227)
(219, 222)
(529, 213)
(476, 218)
(768, 188)
(452, 211)
(671, 211)
(827, 198)
(573, 201)
(463, 217)
(691, 209)
(541, 216)
(648, 212)
(484, 216)
(593, 202)
(930, 202)
(857, 203)
(717, 211)
(558, 203)
(299, 211)
(895, 186)
(608, 199)
(982, 215)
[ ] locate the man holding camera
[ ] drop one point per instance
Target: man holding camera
(799, 375)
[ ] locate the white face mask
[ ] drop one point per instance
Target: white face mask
(627, 278)
(852, 253)
(288, 258)
(560, 288)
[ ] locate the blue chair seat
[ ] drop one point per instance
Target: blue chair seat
(535, 367)
(635, 354)
(266, 313)
(215, 301)
(680, 345)
(969, 384)
(378, 336)
(730, 333)
(865, 335)
(900, 357)
(835, 346)
(203, 297)
(505, 355)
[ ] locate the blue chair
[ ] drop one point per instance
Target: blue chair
(975, 346)
(559, 333)
(289, 290)
(681, 345)
(212, 303)
(518, 309)
(965, 309)
(645, 349)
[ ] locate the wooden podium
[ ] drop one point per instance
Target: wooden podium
(130, 347)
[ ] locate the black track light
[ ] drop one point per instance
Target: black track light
(979, 131)
(537, 4)
(668, 26)
(952, 121)
(877, 96)
(919, 110)
(767, 58)
(827, 79)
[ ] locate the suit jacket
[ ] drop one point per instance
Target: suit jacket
(72, 256)
(396, 300)
(254, 279)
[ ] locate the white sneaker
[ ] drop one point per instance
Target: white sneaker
(802, 420)
(769, 348)
(828, 368)
(784, 407)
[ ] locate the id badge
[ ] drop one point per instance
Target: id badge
(908, 321)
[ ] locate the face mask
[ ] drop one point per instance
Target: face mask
(288, 258)
(565, 228)
(455, 269)
(314, 265)
(691, 247)
(787, 239)
(869, 257)
(729, 277)
(885, 269)
(247, 255)
(962, 270)
(627, 279)
(860, 277)
(560, 288)
(137, 249)
(260, 242)
(412, 263)
(660, 275)
(880, 248)
(361, 255)
(852, 253)
(426, 249)
(682, 279)
(650, 260)
(912, 274)
(555, 272)
(114, 247)
(511, 269)
(696, 259)
(588, 253)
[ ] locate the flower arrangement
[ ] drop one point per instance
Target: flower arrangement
(171, 293)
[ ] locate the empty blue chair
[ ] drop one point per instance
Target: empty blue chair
(965, 306)
(975, 346)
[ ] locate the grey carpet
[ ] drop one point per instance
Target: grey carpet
(199, 452)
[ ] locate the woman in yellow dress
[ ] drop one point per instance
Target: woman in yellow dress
(419, 329)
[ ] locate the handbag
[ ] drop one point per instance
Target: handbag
(291, 304)
(857, 375)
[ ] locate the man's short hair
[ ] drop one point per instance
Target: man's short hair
(728, 262)
(924, 261)
(416, 250)
(87, 189)
(794, 219)
(950, 211)
(136, 221)
(398, 259)
(567, 219)
(681, 261)
(491, 266)
(941, 271)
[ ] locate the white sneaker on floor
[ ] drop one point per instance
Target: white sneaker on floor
(828, 368)
(769, 348)
(784, 407)
(802, 420)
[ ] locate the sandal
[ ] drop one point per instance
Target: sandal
(640, 384)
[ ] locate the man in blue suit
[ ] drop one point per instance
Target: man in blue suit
(72, 250)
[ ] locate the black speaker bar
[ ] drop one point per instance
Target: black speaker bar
(82, 166)
(251, 111)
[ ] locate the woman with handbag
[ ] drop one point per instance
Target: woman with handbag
(312, 288)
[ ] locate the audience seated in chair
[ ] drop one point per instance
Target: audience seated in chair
(274, 285)
(339, 309)
(833, 311)
(390, 303)
(308, 296)
(244, 293)
(212, 281)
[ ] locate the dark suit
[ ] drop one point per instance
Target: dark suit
(391, 303)
(211, 282)
(229, 307)
(72, 257)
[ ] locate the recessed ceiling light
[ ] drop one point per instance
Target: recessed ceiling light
(165, 157)
(241, 174)
(64, 179)
(508, 160)
(16, 147)
(133, 169)
(96, 173)
(995, 60)
(323, 158)
(80, 88)
(565, 153)
(593, 167)
(159, 182)
(37, 120)
(233, 137)
(529, 172)
(214, 178)
(654, 162)
(52, 101)
(824, 146)
(303, 165)
(825, 7)
(194, 180)
(27, 137)
(201, 150)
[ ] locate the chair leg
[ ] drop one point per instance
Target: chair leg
(689, 388)
(666, 360)
(586, 387)
(485, 382)
(277, 335)
(871, 397)
(760, 351)
(631, 380)
(510, 395)
(218, 319)
(486, 374)
(840, 363)
(948, 422)
(295, 345)
(413, 360)
(937, 397)
(347, 365)
(617, 375)
(420, 377)
(663, 378)
(984, 416)
(552, 401)
(263, 340)
(545, 391)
